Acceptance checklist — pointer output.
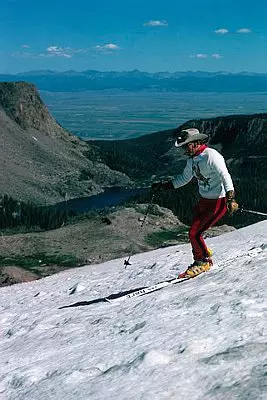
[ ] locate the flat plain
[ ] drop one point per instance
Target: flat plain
(121, 115)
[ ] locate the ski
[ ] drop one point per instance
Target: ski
(138, 292)
(158, 286)
(149, 289)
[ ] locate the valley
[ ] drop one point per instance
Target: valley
(42, 163)
(109, 115)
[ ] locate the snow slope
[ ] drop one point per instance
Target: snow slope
(202, 339)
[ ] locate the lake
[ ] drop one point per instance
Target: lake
(111, 197)
(122, 115)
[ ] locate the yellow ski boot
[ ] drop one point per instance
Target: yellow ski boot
(198, 267)
(210, 254)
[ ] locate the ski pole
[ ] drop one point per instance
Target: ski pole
(127, 262)
(242, 209)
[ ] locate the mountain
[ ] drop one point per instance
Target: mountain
(201, 339)
(190, 81)
(39, 160)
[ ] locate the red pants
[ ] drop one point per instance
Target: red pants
(206, 213)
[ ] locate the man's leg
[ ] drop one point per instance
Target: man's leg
(207, 213)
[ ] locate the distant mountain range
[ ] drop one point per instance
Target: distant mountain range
(189, 81)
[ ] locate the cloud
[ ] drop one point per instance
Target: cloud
(55, 51)
(221, 31)
(204, 56)
(107, 48)
(243, 30)
(199, 55)
(156, 23)
(224, 31)
(50, 51)
(216, 56)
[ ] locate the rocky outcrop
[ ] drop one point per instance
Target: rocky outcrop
(22, 103)
(39, 160)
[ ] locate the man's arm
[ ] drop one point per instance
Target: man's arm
(177, 181)
(185, 177)
(220, 166)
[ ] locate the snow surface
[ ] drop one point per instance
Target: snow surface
(202, 339)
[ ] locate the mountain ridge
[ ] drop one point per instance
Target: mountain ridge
(135, 80)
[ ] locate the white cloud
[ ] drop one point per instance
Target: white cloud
(109, 47)
(217, 56)
(156, 23)
(53, 51)
(243, 30)
(224, 31)
(221, 31)
(50, 51)
(199, 55)
(204, 56)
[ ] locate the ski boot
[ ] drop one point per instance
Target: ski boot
(209, 256)
(198, 267)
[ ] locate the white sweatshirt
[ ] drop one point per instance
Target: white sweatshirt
(211, 172)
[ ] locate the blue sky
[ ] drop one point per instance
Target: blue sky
(149, 35)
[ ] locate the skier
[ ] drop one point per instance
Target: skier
(215, 188)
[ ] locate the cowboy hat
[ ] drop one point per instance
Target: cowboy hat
(188, 136)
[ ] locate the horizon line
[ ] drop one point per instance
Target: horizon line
(132, 70)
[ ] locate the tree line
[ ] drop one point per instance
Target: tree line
(14, 213)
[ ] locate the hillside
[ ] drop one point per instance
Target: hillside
(39, 160)
(103, 237)
(201, 339)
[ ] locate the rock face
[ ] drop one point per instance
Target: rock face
(40, 161)
(24, 106)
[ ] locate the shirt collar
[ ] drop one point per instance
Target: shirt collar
(200, 150)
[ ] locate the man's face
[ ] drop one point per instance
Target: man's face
(189, 149)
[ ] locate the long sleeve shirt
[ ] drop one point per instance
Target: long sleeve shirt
(211, 172)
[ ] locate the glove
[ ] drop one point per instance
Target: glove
(231, 204)
(161, 186)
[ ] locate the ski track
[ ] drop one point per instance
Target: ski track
(202, 339)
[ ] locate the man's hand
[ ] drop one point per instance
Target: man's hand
(231, 204)
(161, 186)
